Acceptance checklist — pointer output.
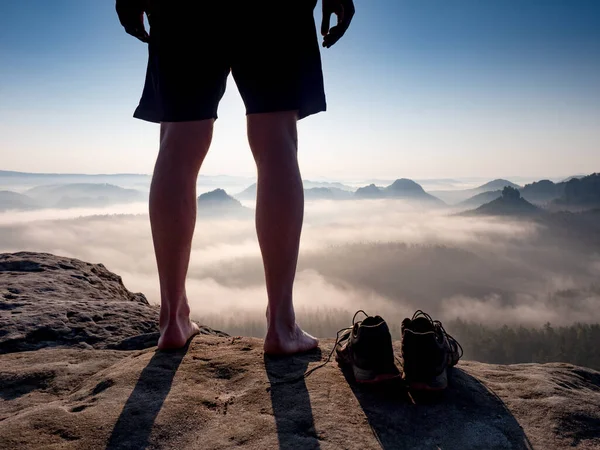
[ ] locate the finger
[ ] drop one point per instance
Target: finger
(325, 23)
(144, 37)
(333, 36)
(143, 34)
(340, 14)
(139, 33)
(336, 33)
(347, 15)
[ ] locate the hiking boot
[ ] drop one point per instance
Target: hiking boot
(367, 349)
(427, 352)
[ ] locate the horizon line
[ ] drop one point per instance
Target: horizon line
(366, 178)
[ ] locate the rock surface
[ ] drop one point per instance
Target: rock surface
(222, 392)
(46, 300)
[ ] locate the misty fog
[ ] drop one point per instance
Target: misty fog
(384, 256)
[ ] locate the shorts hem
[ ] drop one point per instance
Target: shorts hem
(149, 116)
(312, 110)
(302, 111)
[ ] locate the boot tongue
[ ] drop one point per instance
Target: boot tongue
(372, 321)
(421, 325)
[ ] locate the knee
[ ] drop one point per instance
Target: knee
(184, 137)
(273, 135)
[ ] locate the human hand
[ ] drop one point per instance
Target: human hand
(131, 16)
(344, 10)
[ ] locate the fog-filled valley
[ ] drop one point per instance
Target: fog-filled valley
(390, 254)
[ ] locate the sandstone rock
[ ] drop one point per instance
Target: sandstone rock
(223, 393)
(47, 300)
(116, 391)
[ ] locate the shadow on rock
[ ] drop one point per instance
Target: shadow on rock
(133, 428)
(291, 402)
(465, 416)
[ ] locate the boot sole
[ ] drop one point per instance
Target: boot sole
(436, 384)
(365, 376)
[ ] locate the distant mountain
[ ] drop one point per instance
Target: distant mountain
(12, 179)
(84, 195)
(547, 193)
(409, 190)
(322, 193)
(370, 191)
(308, 184)
(312, 193)
(219, 203)
(480, 199)
(402, 188)
(495, 185)
(14, 201)
(457, 196)
(543, 191)
(573, 176)
(247, 194)
(581, 193)
(218, 198)
(509, 204)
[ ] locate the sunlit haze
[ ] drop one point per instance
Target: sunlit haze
(417, 88)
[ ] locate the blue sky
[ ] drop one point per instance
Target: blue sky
(417, 88)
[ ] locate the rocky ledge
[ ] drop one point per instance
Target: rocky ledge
(79, 369)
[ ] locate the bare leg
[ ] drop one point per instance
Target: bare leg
(183, 146)
(279, 214)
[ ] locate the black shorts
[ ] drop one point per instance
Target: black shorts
(270, 46)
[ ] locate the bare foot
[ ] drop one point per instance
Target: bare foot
(289, 342)
(176, 333)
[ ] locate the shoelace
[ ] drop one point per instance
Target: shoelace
(339, 337)
(453, 342)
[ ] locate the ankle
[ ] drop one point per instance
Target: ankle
(281, 324)
(175, 311)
